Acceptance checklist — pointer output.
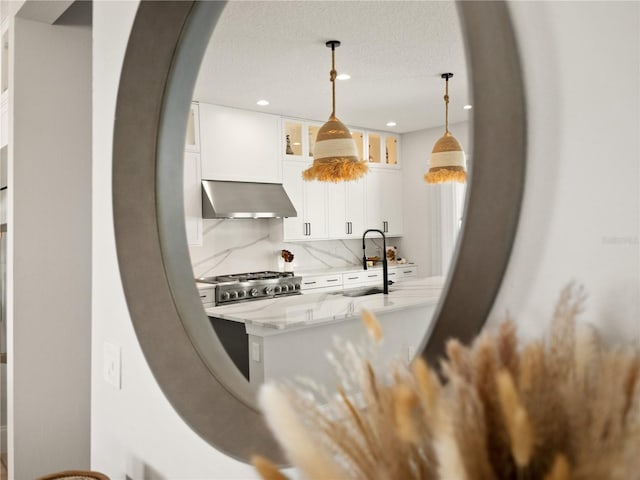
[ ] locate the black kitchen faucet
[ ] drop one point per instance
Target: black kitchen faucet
(385, 274)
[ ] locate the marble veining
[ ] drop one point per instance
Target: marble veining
(248, 245)
(319, 308)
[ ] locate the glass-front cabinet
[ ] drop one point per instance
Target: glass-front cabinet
(299, 138)
(292, 139)
(383, 148)
(312, 133)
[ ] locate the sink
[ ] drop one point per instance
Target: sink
(361, 292)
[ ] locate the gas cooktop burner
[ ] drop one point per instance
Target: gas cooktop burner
(245, 277)
(253, 286)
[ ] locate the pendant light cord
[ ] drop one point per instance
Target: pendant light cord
(446, 106)
(333, 74)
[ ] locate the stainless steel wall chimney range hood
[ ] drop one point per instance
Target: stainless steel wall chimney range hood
(223, 199)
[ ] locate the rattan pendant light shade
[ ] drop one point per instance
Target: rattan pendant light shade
(447, 161)
(335, 156)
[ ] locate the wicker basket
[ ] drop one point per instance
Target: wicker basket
(75, 475)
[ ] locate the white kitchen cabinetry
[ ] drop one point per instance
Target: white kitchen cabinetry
(321, 283)
(192, 198)
(207, 296)
(310, 201)
(373, 276)
(364, 277)
(383, 206)
(383, 149)
(239, 145)
(346, 209)
(405, 271)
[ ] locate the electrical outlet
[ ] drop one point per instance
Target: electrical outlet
(111, 364)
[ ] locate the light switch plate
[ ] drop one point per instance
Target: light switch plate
(111, 364)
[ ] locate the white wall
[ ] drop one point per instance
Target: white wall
(49, 228)
(581, 70)
(135, 433)
(423, 203)
(579, 219)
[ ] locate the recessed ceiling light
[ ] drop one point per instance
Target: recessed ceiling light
(296, 143)
(262, 103)
(391, 124)
(343, 76)
(468, 107)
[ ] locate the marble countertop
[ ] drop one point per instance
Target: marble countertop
(317, 308)
(348, 269)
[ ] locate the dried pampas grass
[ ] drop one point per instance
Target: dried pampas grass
(566, 408)
(335, 170)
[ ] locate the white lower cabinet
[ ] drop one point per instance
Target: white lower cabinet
(321, 283)
(207, 295)
(192, 198)
(310, 201)
(349, 279)
(364, 277)
(384, 201)
(404, 271)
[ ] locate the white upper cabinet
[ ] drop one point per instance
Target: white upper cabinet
(192, 198)
(383, 149)
(346, 209)
(239, 145)
(384, 209)
(192, 179)
(309, 200)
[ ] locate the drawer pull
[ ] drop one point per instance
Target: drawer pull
(332, 280)
(372, 276)
(408, 271)
(352, 278)
(308, 283)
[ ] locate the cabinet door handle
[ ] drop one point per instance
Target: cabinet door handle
(347, 227)
(309, 229)
(385, 226)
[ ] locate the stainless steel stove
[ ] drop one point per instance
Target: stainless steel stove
(253, 286)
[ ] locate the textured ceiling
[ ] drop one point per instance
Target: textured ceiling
(394, 51)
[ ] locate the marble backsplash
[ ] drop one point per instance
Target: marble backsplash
(249, 245)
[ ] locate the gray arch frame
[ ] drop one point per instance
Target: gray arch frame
(162, 60)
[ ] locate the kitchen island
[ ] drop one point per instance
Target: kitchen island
(290, 336)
